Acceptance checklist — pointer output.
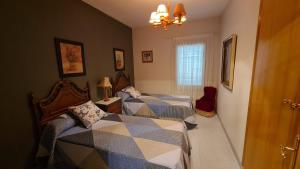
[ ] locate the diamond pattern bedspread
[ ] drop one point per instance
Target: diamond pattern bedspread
(161, 106)
(125, 142)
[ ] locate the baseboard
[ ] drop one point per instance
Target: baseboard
(231, 145)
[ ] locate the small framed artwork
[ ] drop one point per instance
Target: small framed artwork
(228, 61)
(147, 56)
(70, 58)
(119, 59)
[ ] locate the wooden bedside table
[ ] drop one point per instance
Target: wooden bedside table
(114, 105)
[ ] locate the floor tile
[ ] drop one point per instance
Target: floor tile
(210, 147)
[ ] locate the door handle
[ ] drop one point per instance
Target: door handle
(292, 104)
(285, 149)
(295, 106)
(287, 101)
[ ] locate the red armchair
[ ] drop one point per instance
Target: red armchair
(208, 101)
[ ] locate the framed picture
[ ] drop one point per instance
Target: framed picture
(70, 57)
(228, 61)
(119, 59)
(147, 56)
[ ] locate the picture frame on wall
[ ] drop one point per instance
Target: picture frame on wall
(228, 61)
(119, 59)
(70, 58)
(147, 56)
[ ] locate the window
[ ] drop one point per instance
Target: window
(190, 64)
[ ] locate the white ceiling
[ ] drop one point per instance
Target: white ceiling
(136, 13)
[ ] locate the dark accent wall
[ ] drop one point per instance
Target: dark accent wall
(28, 61)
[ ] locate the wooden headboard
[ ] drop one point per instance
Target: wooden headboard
(122, 81)
(63, 95)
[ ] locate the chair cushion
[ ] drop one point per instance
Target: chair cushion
(207, 102)
(206, 105)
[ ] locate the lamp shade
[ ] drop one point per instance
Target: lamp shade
(154, 18)
(179, 10)
(162, 10)
(105, 83)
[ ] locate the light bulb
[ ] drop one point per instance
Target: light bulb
(162, 10)
(183, 18)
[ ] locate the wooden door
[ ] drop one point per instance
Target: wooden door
(297, 126)
(293, 156)
(274, 86)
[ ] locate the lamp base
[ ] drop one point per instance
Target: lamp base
(106, 98)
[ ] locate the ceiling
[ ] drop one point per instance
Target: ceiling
(136, 13)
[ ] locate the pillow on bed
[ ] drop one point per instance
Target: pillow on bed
(49, 135)
(123, 95)
(88, 113)
(132, 91)
(61, 124)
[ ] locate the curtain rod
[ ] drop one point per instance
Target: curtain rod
(193, 36)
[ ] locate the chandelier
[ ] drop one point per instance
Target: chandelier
(161, 17)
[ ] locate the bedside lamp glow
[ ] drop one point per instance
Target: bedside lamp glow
(105, 84)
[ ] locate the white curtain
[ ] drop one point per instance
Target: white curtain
(195, 65)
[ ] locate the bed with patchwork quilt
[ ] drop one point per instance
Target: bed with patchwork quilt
(120, 142)
(159, 106)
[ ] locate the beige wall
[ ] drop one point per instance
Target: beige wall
(241, 18)
(156, 77)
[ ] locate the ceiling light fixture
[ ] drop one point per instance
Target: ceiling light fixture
(161, 17)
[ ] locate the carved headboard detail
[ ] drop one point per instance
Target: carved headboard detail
(122, 81)
(63, 95)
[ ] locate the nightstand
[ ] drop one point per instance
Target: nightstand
(114, 105)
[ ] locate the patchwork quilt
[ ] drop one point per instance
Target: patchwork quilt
(161, 106)
(124, 142)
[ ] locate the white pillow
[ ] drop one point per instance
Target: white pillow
(131, 90)
(88, 113)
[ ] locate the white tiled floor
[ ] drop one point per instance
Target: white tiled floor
(210, 147)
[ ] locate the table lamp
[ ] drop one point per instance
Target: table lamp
(105, 84)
